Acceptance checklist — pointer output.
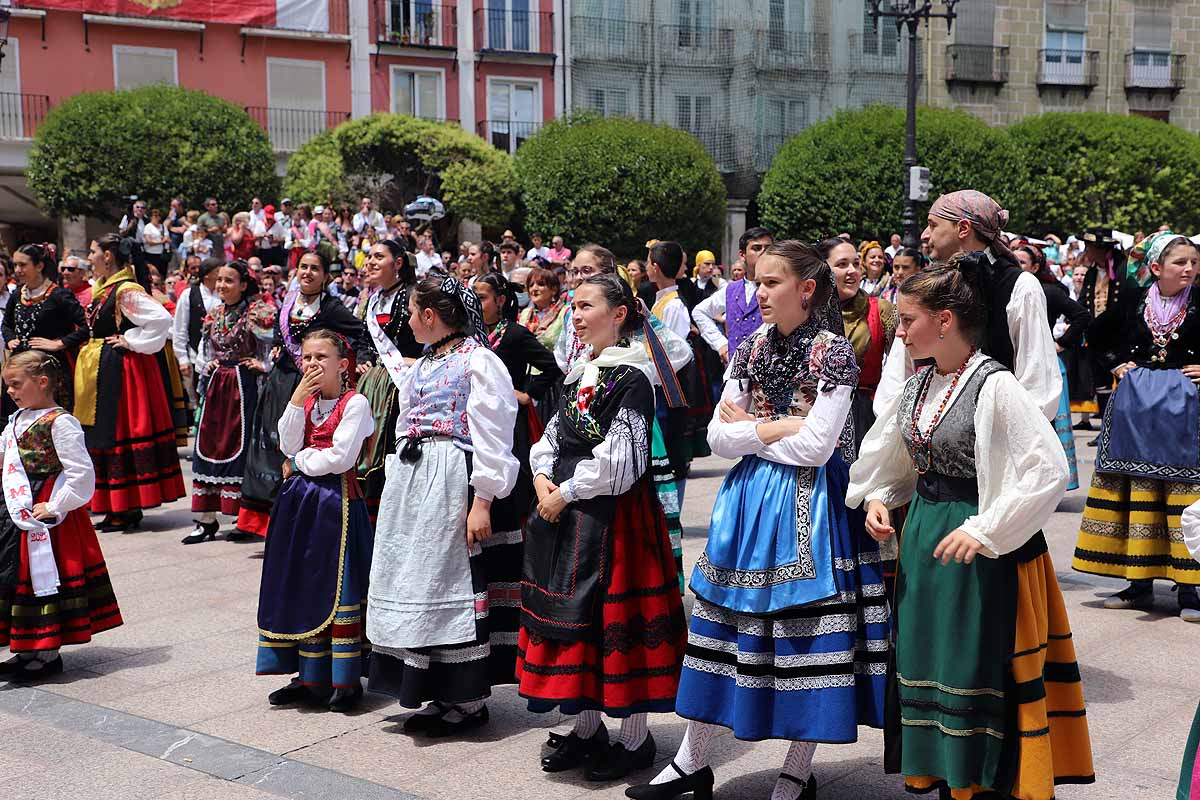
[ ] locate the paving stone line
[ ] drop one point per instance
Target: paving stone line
(210, 755)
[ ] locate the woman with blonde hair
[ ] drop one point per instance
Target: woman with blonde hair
(876, 270)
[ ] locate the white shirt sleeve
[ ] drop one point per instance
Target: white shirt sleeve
(811, 446)
(675, 319)
(356, 425)
(897, 369)
(616, 463)
(1191, 529)
(179, 326)
(75, 485)
(492, 415)
(1035, 361)
(152, 321)
(703, 315)
(884, 470)
(544, 450)
(1021, 466)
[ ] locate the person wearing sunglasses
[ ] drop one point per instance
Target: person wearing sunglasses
(75, 273)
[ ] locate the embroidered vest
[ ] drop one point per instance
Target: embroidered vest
(36, 447)
(440, 390)
(742, 317)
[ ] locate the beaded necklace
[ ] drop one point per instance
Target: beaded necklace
(28, 297)
(1163, 332)
(925, 440)
(434, 355)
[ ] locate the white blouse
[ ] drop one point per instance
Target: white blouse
(615, 465)
(491, 416)
(568, 349)
(151, 320)
(1035, 359)
(1191, 529)
(356, 425)
(75, 485)
(1019, 461)
(811, 446)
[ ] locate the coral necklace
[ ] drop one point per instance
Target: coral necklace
(924, 441)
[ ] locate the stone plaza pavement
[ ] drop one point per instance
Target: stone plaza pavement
(168, 706)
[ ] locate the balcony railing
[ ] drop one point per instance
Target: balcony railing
(791, 51)
(1154, 71)
(507, 135)
(21, 114)
(977, 64)
(1069, 68)
(879, 53)
(333, 17)
(514, 30)
(696, 45)
(617, 40)
(416, 23)
(289, 128)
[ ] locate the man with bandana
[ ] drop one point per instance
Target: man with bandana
(967, 224)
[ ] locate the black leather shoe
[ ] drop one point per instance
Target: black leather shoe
(420, 723)
(239, 535)
(294, 692)
(619, 762)
(574, 752)
(1094, 442)
(27, 674)
(344, 701)
(121, 523)
(699, 783)
(808, 788)
(203, 532)
(444, 728)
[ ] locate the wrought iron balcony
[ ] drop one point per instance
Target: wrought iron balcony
(21, 114)
(791, 51)
(411, 23)
(289, 128)
(507, 135)
(512, 30)
(1069, 68)
(609, 40)
(1154, 71)
(881, 53)
(696, 45)
(977, 64)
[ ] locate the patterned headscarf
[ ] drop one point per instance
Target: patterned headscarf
(985, 215)
(1157, 243)
(470, 303)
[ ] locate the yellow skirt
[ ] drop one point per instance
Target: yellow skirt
(1054, 746)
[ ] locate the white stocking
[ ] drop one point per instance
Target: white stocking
(693, 752)
(586, 724)
(798, 764)
(633, 732)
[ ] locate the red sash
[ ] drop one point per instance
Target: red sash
(872, 368)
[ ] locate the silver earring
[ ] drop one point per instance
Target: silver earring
(941, 336)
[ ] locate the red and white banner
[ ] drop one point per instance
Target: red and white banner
(303, 15)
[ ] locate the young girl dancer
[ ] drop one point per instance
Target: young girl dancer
(789, 632)
(986, 699)
(54, 587)
(602, 626)
(318, 557)
(438, 565)
(234, 352)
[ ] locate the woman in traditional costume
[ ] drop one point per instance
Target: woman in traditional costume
(789, 632)
(876, 272)
(545, 313)
(1148, 461)
(1059, 304)
(234, 353)
(318, 556)
(602, 626)
(54, 586)
(307, 307)
(985, 698)
(439, 563)
(384, 310)
(121, 399)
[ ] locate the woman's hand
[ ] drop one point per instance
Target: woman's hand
(1192, 373)
(479, 522)
(42, 511)
(957, 545)
(253, 364)
(1120, 371)
(879, 521)
(287, 469)
(310, 382)
(47, 345)
(732, 412)
(544, 487)
(522, 397)
(12, 343)
(117, 341)
(551, 507)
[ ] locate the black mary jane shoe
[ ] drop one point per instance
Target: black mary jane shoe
(345, 700)
(49, 669)
(444, 728)
(421, 723)
(294, 692)
(808, 788)
(203, 532)
(120, 523)
(574, 751)
(699, 783)
(1094, 442)
(554, 740)
(239, 535)
(618, 762)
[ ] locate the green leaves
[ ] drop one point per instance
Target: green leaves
(620, 182)
(157, 142)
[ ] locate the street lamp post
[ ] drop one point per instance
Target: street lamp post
(910, 13)
(5, 17)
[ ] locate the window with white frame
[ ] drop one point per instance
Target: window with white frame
(879, 39)
(295, 101)
(693, 113)
(420, 22)
(418, 92)
(134, 67)
(511, 25)
(514, 112)
(695, 19)
(13, 111)
(609, 102)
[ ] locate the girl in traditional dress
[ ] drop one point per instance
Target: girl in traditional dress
(1148, 461)
(385, 310)
(789, 632)
(318, 556)
(439, 565)
(234, 352)
(985, 693)
(121, 399)
(308, 307)
(42, 315)
(1059, 304)
(602, 626)
(54, 587)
